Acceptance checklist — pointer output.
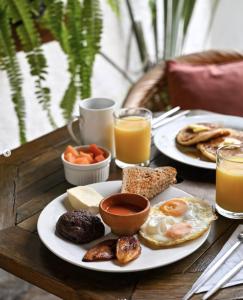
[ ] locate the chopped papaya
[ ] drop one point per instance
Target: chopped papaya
(82, 161)
(70, 157)
(72, 150)
(94, 149)
(86, 152)
(87, 155)
(99, 158)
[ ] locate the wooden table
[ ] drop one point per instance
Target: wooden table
(33, 176)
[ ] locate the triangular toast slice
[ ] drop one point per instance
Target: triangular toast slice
(147, 182)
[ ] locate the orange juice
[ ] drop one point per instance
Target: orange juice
(229, 184)
(133, 139)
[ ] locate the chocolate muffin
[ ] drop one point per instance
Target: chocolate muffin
(80, 226)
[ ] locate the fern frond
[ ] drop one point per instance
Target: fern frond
(30, 40)
(91, 36)
(53, 19)
(79, 34)
(10, 64)
(69, 100)
(74, 26)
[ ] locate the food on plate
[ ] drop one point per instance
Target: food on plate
(90, 155)
(124, 213)
(123, 209)
(84, 197)
(103, 251)
(124, 249)
(200, 132)
(209, 149)
(147, 182)
(128, 248)
(176, 221)
(80, 226)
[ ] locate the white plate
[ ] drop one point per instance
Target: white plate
(73, 253)
(165, 137)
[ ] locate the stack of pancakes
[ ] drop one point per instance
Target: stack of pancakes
(208, 137)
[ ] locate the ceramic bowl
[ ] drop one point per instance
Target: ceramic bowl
(78, 174)
(124, 224)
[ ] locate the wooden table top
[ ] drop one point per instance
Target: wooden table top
(33, 176)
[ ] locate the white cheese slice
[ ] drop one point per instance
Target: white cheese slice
(198, 127)
(84, 197)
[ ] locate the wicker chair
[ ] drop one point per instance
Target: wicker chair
(147, 91)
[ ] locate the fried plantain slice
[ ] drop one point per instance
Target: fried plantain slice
(103, 251)
(127, 249)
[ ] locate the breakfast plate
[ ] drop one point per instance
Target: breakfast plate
(73, 253)
(165, 138)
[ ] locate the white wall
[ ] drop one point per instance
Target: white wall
(226, 33)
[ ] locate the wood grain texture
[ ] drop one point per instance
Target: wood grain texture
(36, 177)
(23, 254)
(30, 224)
(8, 177)
(38, 168)
(38, 201)
(174, 287)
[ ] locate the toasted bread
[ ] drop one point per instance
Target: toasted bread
(188, 137)
(147, 182)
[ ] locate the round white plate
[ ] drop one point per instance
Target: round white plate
(73, 253)
(165, 137)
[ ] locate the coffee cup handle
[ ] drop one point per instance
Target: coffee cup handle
(70, 129)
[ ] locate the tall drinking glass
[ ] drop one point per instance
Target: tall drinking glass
(229, 181)
(132, 130)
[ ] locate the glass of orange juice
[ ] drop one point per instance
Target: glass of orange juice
(229, 181)
(132, 130)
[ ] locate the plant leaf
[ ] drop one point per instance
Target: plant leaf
(168, 18)
(10, 64)
(115, 6)
(214, 4)
(69, 100)
(187, 15)
(30, 41)
(153, 10)
(90, 43)
(139, 36)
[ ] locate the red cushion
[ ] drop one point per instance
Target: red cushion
(217, 88)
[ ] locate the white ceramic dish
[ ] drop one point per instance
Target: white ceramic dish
(86, 174)
(72, 253)
(165, 137)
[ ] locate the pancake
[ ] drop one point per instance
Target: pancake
(200, 132)
(209, 149)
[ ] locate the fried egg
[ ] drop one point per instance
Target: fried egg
(176, 221)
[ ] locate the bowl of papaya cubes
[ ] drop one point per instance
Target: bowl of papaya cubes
(86, 164)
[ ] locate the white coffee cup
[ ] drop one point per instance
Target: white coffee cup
(95, 123)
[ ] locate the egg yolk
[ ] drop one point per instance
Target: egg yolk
(174, 207)
(178, 230)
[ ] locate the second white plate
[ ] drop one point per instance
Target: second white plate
(165, 138)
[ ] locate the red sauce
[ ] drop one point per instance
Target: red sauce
(123, 209)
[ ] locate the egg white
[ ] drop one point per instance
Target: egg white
(199, 215)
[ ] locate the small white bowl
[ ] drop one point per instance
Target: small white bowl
(78, 174)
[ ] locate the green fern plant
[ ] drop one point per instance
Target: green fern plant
(75, 24)
(8, 62)
(20, 10)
